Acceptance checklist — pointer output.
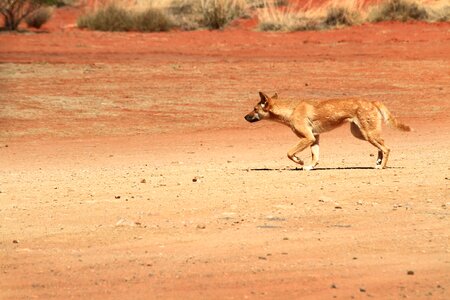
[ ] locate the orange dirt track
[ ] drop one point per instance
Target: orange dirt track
(129, 172)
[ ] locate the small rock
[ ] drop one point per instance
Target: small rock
(15, 241)
(194, 179)
(201, 226)
(262, 257)
(410, 272)
(362, 290)
(338, 207)
(143, 181)
(117, 197)
(325, 199)
(333, 286)
(285, 239)
(125, 222)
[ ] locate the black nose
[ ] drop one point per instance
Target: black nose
(251, 118)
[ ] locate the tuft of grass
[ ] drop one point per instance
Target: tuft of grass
(109, 18)
(288, 18)
(398, 10)
(39, 17)
(116, 18)
(439, 11)
(185, 14)
(215, 14)
(294, 18)
(152, 20)
(342, 16)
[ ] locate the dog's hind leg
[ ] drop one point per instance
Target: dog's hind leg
(356, 131)
(383, 151)
(362, 135)
(314, 155)
(369, 123)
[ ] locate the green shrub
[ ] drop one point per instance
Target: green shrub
(39, 17)
(398, 10)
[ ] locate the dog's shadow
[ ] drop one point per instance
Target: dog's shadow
(317, 169)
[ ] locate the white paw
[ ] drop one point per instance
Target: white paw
(378, 167)
(308, 168)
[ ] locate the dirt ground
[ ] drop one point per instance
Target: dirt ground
(128, 171)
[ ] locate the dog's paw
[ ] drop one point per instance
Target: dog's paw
(378, 167)
(308, 168)
(298, 160)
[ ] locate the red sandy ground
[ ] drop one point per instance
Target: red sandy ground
(128, 171)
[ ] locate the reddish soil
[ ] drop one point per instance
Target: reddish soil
(128, 170)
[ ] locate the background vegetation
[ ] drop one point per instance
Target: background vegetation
(272, 15)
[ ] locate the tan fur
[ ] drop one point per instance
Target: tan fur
(308, 119)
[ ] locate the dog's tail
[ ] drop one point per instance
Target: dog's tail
(389, 118)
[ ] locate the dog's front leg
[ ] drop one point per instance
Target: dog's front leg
(302, 145)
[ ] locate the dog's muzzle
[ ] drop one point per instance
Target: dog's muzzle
(252, 118)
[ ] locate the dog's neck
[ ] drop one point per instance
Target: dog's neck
(281, 114)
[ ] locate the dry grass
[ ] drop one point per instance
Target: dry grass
(294, 17)
(114, 17)
(152, 20)
(406, 10)
(398, 10)
(438, 10)
(348, 13)
(185, 14)
(273, 15)
(342, 16)
(109, 18)
(215, 14)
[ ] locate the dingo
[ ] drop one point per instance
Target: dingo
(308, 119)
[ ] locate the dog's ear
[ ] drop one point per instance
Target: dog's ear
(275, 96)
(264, 99)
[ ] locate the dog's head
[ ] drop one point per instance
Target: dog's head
(262, 109)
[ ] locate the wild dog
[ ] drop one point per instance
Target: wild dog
(308, 119)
